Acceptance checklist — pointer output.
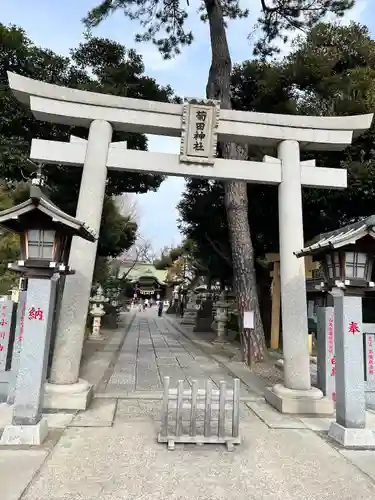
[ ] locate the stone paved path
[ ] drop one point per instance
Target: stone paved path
(154, 349)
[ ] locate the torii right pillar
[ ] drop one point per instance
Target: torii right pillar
(296, 395)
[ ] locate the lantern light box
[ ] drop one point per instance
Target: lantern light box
(45, 232)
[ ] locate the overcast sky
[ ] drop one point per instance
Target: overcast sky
(56, 24)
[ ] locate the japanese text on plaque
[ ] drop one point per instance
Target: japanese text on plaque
(200, 129)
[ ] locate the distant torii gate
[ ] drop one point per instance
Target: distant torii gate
(200, 124)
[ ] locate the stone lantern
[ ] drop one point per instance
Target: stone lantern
(221, 319)
(45, 236)
(116, 297)
(97, 311)
(347, 255)
(190, 311)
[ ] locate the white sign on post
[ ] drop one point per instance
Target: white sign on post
(248, 320)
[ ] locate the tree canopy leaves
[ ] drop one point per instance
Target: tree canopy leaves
(99, 65)
(164, 21)
(330, 72)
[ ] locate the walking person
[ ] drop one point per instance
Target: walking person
(182, 306)
(160, 308)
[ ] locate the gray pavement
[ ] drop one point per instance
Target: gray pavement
(124, 461)
(110, 452)
(153, 349)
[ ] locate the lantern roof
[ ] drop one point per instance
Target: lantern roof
(346, 235)
(15, 218)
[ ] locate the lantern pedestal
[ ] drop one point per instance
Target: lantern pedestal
(46, 235)
(350, 426)
(95, 333)
(28, 426)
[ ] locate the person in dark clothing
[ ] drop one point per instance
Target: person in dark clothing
(160, 308)
(182, 307)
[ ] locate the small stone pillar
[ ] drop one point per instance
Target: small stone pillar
(350, 426)
(7, 309)
(28, 425)
(369, 370)
(20, 322)
(326, 352)
(97, 311)
(221, 319)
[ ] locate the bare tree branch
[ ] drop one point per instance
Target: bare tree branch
(127, 204)
(141, 251)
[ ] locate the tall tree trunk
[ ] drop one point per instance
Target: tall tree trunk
(236, 202)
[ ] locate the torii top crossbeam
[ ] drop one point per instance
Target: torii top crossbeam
(78, 107)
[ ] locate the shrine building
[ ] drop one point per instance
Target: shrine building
(148, 282)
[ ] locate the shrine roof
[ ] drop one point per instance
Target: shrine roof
(346, 235)
(39, 202)
(144, 270)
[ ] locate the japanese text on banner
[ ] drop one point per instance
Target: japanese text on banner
(370, 355)
(3, 324)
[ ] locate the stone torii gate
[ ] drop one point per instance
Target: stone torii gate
(200, 124)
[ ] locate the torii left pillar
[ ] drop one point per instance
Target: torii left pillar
(64, 389)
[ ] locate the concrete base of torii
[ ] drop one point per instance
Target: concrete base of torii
(67, 396)
(309, 402)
